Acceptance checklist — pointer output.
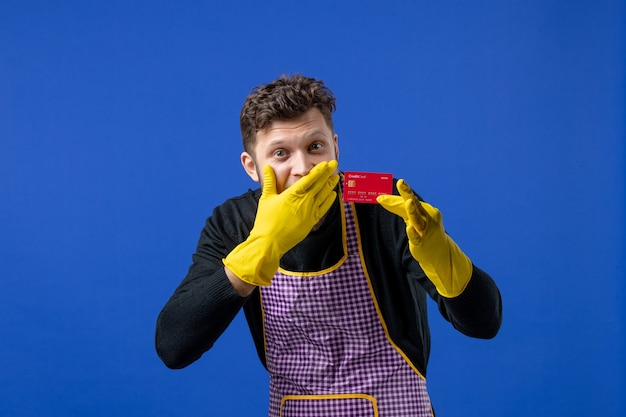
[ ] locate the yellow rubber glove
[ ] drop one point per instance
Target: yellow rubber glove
(443, 262)
(282, 221)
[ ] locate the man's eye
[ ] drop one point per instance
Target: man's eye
(316, 146)
(279, 153)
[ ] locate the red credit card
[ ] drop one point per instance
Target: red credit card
(364, 187)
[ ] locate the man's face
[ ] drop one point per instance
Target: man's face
(291, 147)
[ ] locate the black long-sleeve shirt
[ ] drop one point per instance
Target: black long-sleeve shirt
(205, 302)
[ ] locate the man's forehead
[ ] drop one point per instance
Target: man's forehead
(308, 125)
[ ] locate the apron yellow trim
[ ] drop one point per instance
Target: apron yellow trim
(369, 398)
(374, 300)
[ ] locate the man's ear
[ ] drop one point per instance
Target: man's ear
(336, 141)
(247, 161)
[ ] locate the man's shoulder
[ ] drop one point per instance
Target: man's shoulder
(248, 197)
(243, 204)
(233, 219)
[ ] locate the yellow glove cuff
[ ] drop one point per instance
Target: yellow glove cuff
(254, 261)
(443, 262)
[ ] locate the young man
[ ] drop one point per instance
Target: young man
(334, 293)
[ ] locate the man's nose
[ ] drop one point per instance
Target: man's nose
(302, 164)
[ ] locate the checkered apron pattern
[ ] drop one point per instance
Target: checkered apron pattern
(327, 351)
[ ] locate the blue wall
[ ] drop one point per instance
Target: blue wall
(119, 134)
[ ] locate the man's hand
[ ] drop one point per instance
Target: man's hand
(282, 221)
(442, 260)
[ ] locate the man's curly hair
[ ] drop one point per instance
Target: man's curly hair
(284, 98)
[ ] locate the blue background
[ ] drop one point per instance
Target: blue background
(119, 134)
